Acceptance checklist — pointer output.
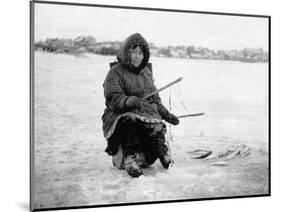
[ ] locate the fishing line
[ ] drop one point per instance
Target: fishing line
(170, 129)
(180, 98)
(170, 109)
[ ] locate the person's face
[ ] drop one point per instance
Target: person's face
(136, 56)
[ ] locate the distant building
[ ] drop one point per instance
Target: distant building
(83, 44)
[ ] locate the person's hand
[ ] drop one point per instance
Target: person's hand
(167, 116)
(172, 119)
(133, 102)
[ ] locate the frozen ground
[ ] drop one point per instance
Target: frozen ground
(72, 169)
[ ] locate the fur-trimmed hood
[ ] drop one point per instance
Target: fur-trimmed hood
(123, 55)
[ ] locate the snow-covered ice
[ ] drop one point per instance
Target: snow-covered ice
(72, 169)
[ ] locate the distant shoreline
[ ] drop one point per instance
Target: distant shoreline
(190, 59)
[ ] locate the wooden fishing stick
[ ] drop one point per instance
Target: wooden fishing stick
(161, 89)
(166, 86)
(193, 114)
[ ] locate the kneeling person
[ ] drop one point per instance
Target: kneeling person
(133, 127)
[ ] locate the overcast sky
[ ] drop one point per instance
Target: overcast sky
(161, 28)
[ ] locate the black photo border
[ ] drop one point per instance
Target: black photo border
(31, 106)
